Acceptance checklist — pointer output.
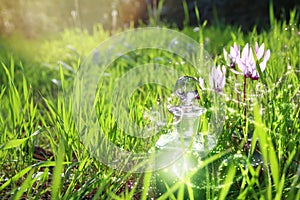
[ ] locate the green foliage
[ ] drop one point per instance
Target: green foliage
(72, 45)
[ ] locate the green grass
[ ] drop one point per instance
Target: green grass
(36, 113)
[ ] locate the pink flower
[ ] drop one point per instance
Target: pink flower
(217, 78)
(247, 63)
(234, 53)
(232, 57)
(259, 51)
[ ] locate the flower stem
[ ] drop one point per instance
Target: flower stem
(245, 106)
(237, 94)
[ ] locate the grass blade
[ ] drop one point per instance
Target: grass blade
(147, 181)
(227, 182)
(26, 184)
(15, 177)
(13, 143)
(56, 183)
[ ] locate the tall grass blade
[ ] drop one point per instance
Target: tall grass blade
(13, 143)
(25, 186)
(57, 174)
(267, 150)
(227, 182)
(146, 185)
(15, 177)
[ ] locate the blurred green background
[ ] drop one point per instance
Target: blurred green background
(35, 18)
(44, 33)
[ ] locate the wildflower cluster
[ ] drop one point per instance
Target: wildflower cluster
(246, 62)
(239, 63)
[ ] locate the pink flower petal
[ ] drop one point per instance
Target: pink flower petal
(236, 72)
(236, 48)
(263, 65)
(260, 52)
(217, 78)
(251, 57)
(201, 83)
(267, 55)
(245, 52)
(241, 64)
